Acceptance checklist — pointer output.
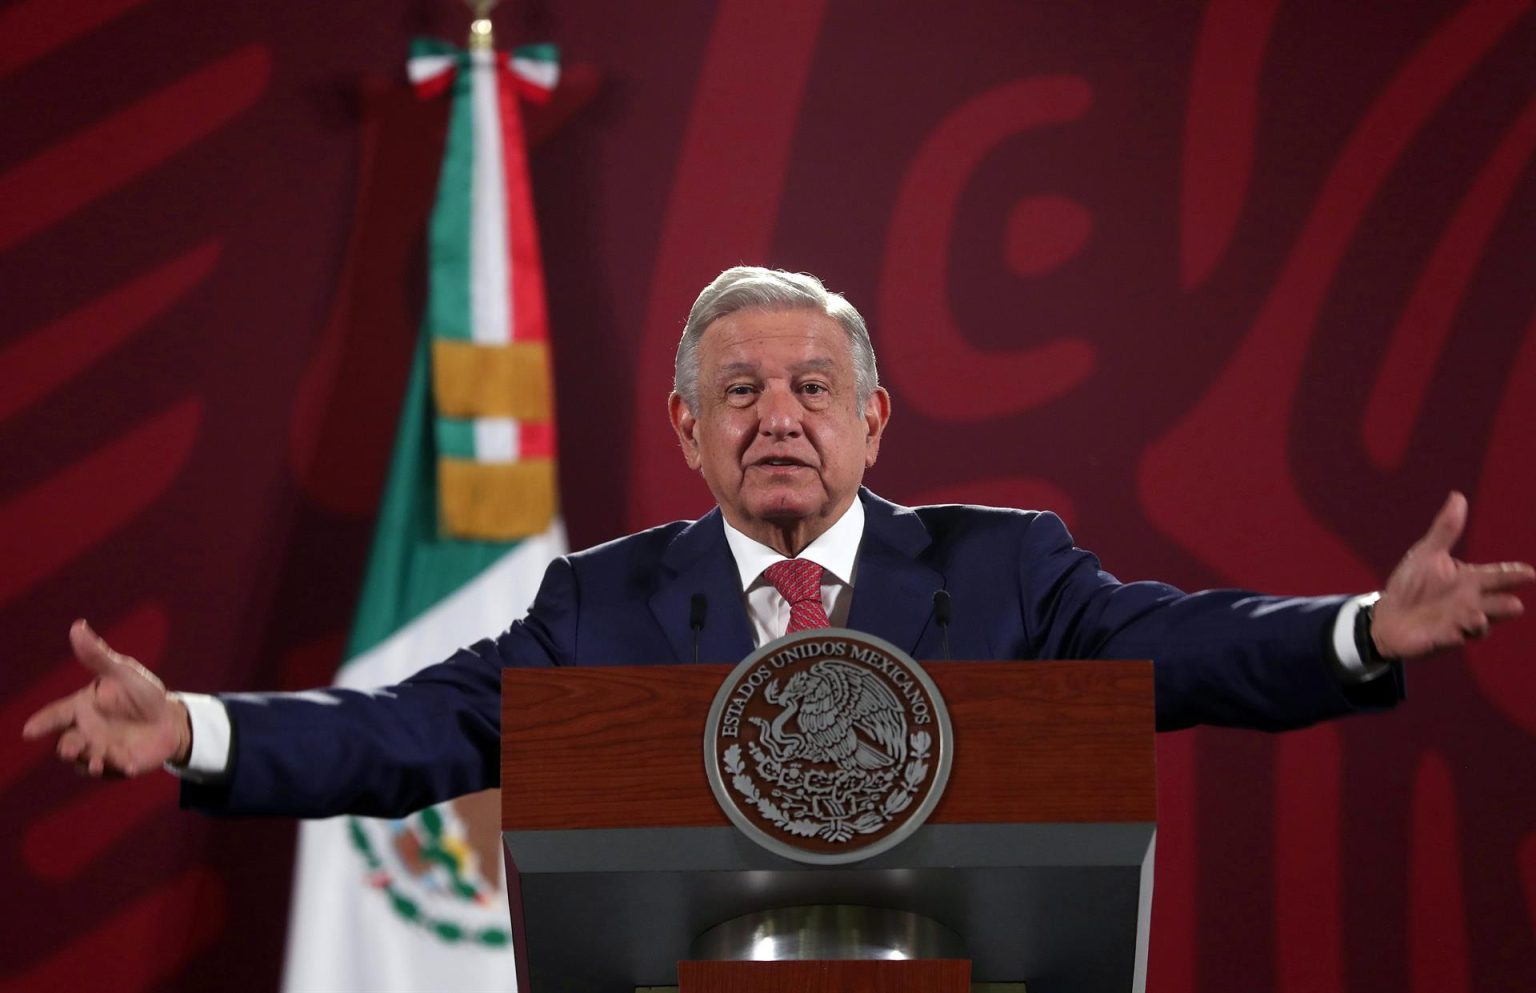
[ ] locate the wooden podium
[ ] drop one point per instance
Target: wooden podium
(1039, 855)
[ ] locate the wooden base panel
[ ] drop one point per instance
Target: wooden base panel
(861, 976)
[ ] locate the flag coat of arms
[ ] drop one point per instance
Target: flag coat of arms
(467, 524)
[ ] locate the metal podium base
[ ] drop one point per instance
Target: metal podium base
(828, 932)
(1063, 906)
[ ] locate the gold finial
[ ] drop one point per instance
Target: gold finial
(481, 37)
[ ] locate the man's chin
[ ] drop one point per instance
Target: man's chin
(787, 508)
(785, 513)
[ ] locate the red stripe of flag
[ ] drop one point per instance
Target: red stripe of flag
(530, 317)
(536, 439)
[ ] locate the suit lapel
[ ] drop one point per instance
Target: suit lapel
(699, 562)
(893, 592)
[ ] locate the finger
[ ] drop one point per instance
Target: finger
(1502, 606)
(53, 718)
(1474, 624)
(1503, 575)
(120, 761)
(95, 750)
(1446, 528)
(95, 654)
(92, 651)
(71, 745)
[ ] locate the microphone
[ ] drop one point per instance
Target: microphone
(942, 615)
(698, 607)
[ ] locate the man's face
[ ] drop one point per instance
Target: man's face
(779, 434)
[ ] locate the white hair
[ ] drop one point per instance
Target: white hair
(745, 287)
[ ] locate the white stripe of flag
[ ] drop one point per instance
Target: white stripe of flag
(490, 289)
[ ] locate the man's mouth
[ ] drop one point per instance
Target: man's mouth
(779, 463)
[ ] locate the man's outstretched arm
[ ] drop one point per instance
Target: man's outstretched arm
(318, 753)
(1234, 658)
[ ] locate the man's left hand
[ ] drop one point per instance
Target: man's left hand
(1433, 601)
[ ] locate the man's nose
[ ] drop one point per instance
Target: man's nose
(778, 413)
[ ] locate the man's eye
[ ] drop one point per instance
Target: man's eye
(813, 388)
(738, 390)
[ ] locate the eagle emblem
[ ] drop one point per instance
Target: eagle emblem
(828, 746)
(842, 714)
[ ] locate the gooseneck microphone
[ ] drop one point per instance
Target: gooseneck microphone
(698, 608)
(942, 614)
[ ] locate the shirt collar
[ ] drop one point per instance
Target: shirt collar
(835, 551)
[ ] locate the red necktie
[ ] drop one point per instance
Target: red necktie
(799, 582)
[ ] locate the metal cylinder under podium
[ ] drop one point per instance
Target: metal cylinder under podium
(828, 932)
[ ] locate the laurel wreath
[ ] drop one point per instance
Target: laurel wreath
(835, 829)
(416, 911)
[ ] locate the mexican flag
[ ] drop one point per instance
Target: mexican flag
(467, 524)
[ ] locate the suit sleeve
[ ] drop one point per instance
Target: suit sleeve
(388, 751)
(1225, 657)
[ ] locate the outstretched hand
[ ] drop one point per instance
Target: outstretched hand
(123, 723)
(1433, 601)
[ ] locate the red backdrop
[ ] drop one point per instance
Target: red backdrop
(1240, 288)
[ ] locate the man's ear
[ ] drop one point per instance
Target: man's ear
(877, 414)
(684, 425)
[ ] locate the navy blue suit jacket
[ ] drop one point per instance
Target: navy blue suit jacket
(1019, 589)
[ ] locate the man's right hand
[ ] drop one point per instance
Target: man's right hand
(123, 723)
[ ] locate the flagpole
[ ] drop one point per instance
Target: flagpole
(481, 36)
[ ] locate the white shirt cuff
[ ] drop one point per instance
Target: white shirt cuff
(210, 738)
(1356, 670)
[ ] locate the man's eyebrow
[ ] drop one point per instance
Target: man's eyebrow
(742, 366)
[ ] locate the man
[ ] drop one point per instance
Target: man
(777, 403)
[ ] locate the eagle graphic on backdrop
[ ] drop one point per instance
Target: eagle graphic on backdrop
(844, 715)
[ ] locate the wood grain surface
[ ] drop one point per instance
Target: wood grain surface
(869, 976)
(1035, 742)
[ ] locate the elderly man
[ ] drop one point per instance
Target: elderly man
(778, 404)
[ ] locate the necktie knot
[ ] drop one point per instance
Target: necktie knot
(799, 582)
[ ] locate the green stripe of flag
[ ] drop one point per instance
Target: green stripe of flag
(448, 235)
(538, 52)
(455, 438)
(411, 568)
(420, 47)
